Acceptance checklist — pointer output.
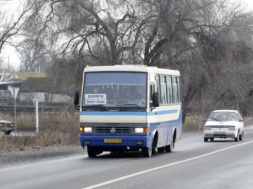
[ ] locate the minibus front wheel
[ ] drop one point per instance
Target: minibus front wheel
(147, 151)
(93, 152)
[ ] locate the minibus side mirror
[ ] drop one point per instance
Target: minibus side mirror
(76, 100)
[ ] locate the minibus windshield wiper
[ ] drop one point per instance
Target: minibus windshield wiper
(133, 105)
(96, 106)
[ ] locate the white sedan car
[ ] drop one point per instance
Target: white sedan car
(224, 124)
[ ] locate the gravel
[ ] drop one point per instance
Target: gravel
(36, 153)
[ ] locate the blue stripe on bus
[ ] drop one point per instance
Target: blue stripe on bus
(97, 113)
(164, 112)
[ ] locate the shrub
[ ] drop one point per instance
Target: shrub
(54, 129)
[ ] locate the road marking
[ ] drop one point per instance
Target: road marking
(163, 166)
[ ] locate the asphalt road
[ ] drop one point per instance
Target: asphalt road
(193, 164)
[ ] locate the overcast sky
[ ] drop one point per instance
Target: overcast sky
(10, 56)
(248, 2)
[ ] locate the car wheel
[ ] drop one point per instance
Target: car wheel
(212, 139)
(205, 139)
(237, 137)
(240, 137)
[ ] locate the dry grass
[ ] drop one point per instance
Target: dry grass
(63, 129)
(54, 129)
(193, 123)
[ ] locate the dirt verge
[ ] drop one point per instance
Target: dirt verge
(35, 153)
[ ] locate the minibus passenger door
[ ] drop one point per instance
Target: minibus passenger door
(153, 97)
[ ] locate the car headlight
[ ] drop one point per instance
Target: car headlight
(231, 128)
(207, 128)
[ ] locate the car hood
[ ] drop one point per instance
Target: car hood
(213, 123)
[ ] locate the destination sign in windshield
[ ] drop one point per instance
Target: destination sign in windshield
(95, 99)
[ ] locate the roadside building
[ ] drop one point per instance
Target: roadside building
(43, 89)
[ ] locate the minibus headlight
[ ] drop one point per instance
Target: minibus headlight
(139, 130)
(87, 129)
(142, 130)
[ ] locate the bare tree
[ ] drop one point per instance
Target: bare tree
(13, 25)
(198, 37)
(33, 55)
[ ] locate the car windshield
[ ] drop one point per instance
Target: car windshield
(222, 116)
(115, 91)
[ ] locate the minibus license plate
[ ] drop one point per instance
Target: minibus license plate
(112, 140)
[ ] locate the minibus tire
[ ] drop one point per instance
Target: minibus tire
(169, 148)
(161, 150)
(147, 151)
(91, 152)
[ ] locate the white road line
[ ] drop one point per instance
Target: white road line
(164, 166)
